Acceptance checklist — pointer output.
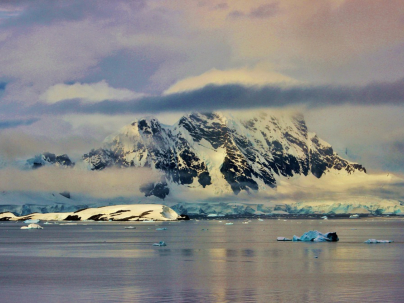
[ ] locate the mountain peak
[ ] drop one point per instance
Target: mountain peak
(222, 151)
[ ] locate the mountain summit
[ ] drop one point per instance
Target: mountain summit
(221, 151)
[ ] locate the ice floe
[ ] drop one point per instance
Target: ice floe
(374, 241)
(161, 243)
(283, 239)
(32, 226)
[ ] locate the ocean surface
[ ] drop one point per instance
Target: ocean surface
(204, 261)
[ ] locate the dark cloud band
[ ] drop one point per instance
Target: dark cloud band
(16, 123)
(224, 97)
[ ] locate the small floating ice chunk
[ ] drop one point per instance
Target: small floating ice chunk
(161, 243)
(373, 241)
(283, 239)
(32, 226)
(316, 236)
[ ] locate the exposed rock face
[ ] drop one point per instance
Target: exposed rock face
(49, 159)
(204, 150)
(158, 189)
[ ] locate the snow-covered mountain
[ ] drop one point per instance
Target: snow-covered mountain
(221, 152)
(208, 163)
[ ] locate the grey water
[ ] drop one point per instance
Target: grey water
(204, 261)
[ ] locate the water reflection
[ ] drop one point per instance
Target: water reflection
(187, 252)
(237, 264)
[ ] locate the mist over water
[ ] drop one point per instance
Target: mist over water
(204, 261)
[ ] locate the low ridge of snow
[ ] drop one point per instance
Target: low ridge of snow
(137, 212)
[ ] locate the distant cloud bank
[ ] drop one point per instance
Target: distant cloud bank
(234, 96)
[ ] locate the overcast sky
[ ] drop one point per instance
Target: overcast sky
(73, 71)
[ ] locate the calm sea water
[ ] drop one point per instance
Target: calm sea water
(204, 261)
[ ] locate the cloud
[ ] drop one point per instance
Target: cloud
(102, 184)
(243, 76)
(262, 11)
(232, 96)
(50, 134)
(93, 92)
(16, 123)
(48, 43)
(48, 12)
(340, 188)
(59, 42)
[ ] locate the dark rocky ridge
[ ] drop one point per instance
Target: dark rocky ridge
(47, 158)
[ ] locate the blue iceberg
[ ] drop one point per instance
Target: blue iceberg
(316, 236)
(161, 243)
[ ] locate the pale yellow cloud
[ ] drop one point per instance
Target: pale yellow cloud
(242, 76)
(93, 92)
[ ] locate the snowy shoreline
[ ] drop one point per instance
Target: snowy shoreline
(137, 212)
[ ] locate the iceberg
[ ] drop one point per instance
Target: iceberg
(374, 241)
(316, 236)
(161, 243)
(32, 226)
(31, 221)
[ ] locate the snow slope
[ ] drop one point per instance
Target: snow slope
(137, 212)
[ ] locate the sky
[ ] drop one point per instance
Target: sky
(73, 72)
